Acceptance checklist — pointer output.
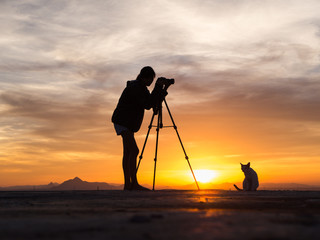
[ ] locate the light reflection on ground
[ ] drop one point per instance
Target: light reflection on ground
(205, 214)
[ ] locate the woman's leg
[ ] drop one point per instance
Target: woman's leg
(126, 161)
(130, 153)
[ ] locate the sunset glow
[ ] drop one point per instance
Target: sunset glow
(246, 89)
(204, 175)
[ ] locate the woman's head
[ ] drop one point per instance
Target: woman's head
(146, 75)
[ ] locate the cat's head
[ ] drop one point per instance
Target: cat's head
(245, 167)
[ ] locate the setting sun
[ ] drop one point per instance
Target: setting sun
(205, 175)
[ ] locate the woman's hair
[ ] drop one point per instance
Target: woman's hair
(146, 72)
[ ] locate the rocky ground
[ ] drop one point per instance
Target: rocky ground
(174, 214)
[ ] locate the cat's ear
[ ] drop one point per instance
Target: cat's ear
(241, 164)
(248, 164)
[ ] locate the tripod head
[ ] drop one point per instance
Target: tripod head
(158, 106)
(164, 83)
(157, 110)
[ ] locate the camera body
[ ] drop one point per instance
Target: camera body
(165, 81)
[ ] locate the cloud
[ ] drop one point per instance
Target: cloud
(73, 124)
(250, 66)
(283, 98)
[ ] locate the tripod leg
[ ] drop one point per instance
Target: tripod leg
(186, 156)
(145, 141)
(156, 152)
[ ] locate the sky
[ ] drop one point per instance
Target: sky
(247, 83)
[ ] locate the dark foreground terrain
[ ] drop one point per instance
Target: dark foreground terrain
(212, 214)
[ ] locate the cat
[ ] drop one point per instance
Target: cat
(250, 182)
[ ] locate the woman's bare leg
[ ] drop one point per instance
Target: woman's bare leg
(126, 164)
(130, 153)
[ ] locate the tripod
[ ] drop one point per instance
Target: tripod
(158, 127)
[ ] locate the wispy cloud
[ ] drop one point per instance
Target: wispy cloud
(64, 64)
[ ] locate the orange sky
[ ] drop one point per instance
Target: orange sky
(247, 88)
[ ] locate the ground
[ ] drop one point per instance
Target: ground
(174, 214)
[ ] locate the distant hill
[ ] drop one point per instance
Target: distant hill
(263, 186)
(78, 184)
(71, 184)
(288, 186)
(30, 187)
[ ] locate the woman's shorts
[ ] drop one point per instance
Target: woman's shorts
(119, 129)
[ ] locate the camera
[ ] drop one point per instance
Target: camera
(165, 81)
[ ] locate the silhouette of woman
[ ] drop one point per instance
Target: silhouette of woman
(128, 117)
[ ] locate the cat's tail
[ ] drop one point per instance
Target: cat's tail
(237, 187)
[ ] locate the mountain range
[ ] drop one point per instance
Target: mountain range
(78, 184)
(71, 184)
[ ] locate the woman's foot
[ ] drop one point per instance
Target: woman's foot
(138, 187)
(127, 187)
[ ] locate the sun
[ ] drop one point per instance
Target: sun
(205, 175)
